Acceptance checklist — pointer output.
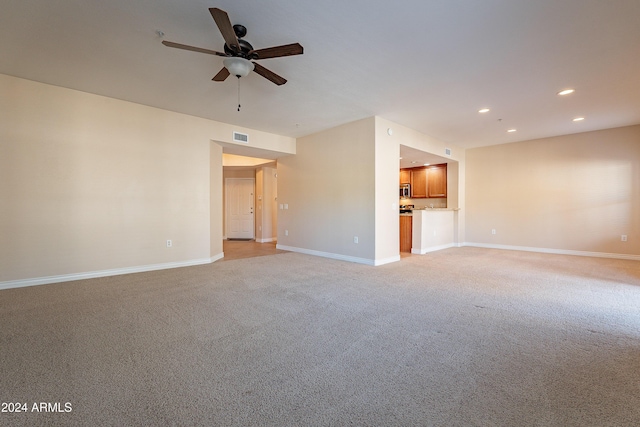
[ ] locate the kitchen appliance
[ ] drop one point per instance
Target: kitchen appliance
(405, 191)
(406, 208)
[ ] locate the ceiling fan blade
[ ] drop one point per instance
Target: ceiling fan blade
(222, 75)
(192, 48)
(225, 27)
(268, 74)
(277, 51)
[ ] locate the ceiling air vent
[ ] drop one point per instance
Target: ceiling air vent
(241, 137)
(447, 151)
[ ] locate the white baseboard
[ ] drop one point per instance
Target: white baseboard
(269, 240)
(386, 260)
(215, 258)
(555, 251)
(432, 249)
(104, 273)
(336, 256)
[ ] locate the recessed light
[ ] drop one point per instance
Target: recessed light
(484, 110)
(566, 92)
(578, 119)
(511, 130)
(427, 164)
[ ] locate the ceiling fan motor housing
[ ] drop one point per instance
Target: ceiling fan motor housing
(243, 52)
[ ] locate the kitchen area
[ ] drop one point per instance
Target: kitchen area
(427, 218)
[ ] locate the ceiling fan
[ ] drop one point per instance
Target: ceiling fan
(239, 55)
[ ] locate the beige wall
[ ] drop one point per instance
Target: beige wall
(387, 224)
(91, 184)
(259, 205)
(432, 230)
(216, 206)
(265, 203)
(577, 192)
(329, 186)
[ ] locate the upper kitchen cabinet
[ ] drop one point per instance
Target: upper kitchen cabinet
(426, 182)
(405, 176)
(419, 183)
(437, 181)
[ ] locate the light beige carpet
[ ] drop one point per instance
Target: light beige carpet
(459, 337)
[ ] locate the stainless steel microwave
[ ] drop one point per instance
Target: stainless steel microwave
(405, 191)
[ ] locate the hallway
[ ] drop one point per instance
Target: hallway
(237, 249)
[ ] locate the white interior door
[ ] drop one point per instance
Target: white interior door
(239, 203)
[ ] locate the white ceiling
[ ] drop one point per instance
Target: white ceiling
(426, 64)
(412, 158)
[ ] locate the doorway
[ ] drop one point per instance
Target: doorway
(239, 208)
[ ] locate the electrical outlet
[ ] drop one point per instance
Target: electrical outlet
(286, 232)
(623, 238)
(169, 243)
(355, 239)
(493, 231)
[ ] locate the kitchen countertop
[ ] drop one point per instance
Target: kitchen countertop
(429, 210)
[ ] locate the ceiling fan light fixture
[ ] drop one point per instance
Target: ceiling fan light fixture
(238, 67)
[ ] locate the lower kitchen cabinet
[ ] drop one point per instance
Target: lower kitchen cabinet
(405, 233)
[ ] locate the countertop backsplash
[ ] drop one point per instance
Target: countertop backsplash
(425, 203)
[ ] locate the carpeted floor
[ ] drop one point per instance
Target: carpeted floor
(459, 337)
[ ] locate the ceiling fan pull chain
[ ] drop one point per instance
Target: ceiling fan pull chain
(238, 93)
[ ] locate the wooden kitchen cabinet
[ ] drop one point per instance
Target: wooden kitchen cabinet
(405, 176)
(437, 181)
(428, 182)
(406, 222)
(418, 183)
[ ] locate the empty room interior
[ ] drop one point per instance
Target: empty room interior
(320, 213)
